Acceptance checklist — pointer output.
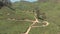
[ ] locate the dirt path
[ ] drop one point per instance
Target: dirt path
(33, 23)
(28, 30)
(45, 23)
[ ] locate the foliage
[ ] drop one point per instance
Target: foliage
(24, 11)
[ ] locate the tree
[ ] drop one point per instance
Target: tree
(6, 3)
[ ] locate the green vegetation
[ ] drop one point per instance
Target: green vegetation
(24, 11)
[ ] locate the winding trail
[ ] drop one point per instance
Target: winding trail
(33, 23)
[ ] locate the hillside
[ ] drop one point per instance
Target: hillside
(10, 24)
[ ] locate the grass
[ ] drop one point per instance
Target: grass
(16, 27)
(13, 27)
(52, 28)
(52, 12)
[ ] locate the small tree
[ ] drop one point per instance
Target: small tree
(40, 15)
(6, 3)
